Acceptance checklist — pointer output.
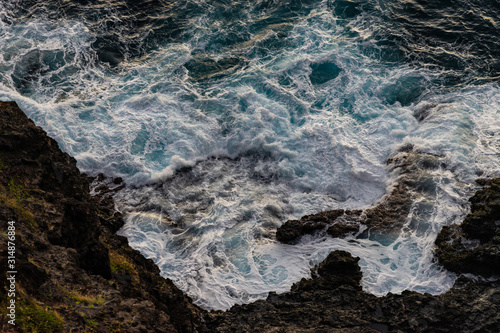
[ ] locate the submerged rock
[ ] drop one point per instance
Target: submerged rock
(203, 68)
(323, 72)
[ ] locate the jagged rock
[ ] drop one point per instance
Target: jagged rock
(293, 229)
(74, 273)
(332, 301)
(484, 221)
(34, 166)
(338, 269)
(387, 217)
(474, 246)
(340, 230)
(340, 222)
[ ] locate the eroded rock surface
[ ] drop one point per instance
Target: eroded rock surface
(414, 169)
(74, 273)
(474, 246)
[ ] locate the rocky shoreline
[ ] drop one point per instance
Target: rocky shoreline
(75, 274)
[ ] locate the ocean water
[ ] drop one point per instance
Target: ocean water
(228, 118)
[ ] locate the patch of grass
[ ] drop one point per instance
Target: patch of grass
(79, 298)
(35, 318)
(120, 264)
(115, 326)
(89, 300)
(18, 191)
(13, 196)
(90, 324)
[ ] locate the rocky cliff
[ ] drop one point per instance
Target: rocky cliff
(75, 275)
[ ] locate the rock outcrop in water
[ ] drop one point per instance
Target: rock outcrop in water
(474, 246)
(332, 301)
(75, 274)
(388, 217)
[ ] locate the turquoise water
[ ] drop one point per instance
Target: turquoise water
(228, 119)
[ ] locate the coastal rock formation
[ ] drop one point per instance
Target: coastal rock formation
(474, 246)
(74, 273)
(414, 169)
(332, 301)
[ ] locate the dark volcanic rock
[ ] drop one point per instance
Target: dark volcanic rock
(474, 246)
(34, 166)
(340, 230)
(74, 273)
(338, 269)
(293, 229)
(386, 218)
(484, 221)
(332, 301)
(340, 222)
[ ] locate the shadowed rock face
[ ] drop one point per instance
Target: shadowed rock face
(33, 166)
(74, 273)
(474, 246)
(332, 301)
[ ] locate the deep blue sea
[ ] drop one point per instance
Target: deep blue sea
(228, 118)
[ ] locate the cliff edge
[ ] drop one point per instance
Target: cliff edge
(73, 273)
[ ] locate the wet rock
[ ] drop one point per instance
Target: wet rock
(386, 218)
(293, 229)
(332, 301)
(340, 230)
(324, 72)
(484, 221)
(474, 246)
(338, 269)
(202, 68)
